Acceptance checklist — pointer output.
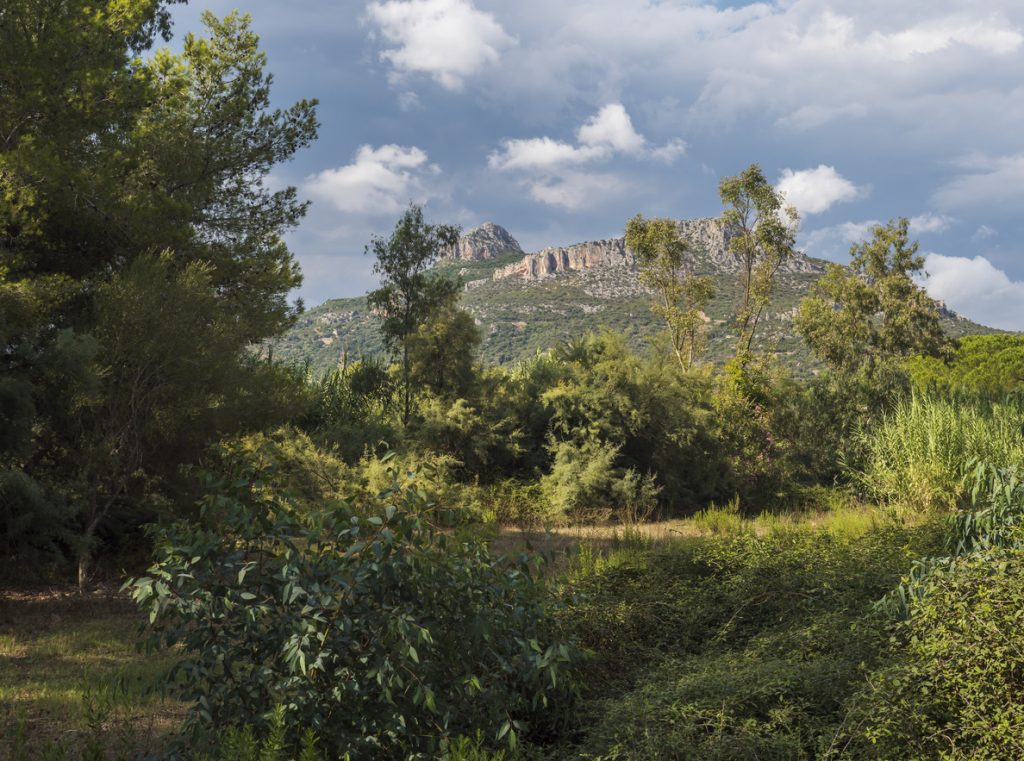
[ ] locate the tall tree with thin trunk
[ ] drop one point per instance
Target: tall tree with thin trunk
(662, 256)
(762, 235)
(410, 294)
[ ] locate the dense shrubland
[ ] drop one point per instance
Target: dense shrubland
(847, 584)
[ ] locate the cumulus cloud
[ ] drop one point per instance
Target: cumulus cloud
(802, 65)
(929, 223)
(813, 191)
(611, 129)
(379, 181)
(670, 151)
(447, 39)
(976, 289)
(551, 168)
(989, 35)
(541, 153)
(991, 183)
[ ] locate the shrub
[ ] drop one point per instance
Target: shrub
(734, 648)
(458, 430)
(585, 484)
(726, 590)
(381, 634)
(514, 503)
(721, 520)
(287, 463)
(953, 687)
(992, 365)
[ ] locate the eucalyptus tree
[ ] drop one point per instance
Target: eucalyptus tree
(663, 256)
(762, 235)
(873, 312)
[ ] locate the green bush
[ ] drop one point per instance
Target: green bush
(585, 485)
(739, 647)
(519, 504)
(286, 462)
(954, 687)
(378, 632)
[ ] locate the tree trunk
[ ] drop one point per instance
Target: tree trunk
(85, 552)
(406, 372)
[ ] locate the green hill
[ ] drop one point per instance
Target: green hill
(521, 315)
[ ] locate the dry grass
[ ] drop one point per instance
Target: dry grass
(853, 519)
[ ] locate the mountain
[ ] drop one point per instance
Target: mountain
(485, 242)
(525, 302)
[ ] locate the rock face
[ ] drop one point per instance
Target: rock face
(553, 261)
(712, 255)
(484, 242)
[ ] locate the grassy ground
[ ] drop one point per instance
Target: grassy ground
(71, 675)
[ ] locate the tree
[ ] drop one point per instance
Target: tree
(762, 234)
(873, 314)
(661, 255)
(410, 295)
(107, 157)
(991, 365)
(443, 353)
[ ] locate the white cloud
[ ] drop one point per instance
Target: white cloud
(380, 180)
(993, 183)
(409, 101)
(834, 241)
(541, 153)
(989, 35)
(800, 64)
(448, 39)
(984, 233)
(611, 128)
(577, 190)
(929, 223)
(976, 289)
(550, 168)
(813, 191)
(670, 151)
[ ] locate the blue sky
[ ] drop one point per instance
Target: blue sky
(560, 119)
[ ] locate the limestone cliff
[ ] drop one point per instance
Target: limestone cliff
(484, 242)
(712, 255)
(582, 256)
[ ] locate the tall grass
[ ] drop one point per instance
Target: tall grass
(917, 456)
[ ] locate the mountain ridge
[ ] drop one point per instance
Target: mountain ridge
(528, 302)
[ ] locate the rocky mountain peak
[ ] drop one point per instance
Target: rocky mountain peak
(485, 242)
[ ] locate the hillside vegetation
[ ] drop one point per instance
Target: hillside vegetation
(518, 318)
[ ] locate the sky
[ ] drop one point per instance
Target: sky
(561, 119)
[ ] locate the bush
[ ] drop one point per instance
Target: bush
(990, 365)
(287, 463)
(379, 633)
(954, 686)
(585, 485)
(734, 648)
(514, 503)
